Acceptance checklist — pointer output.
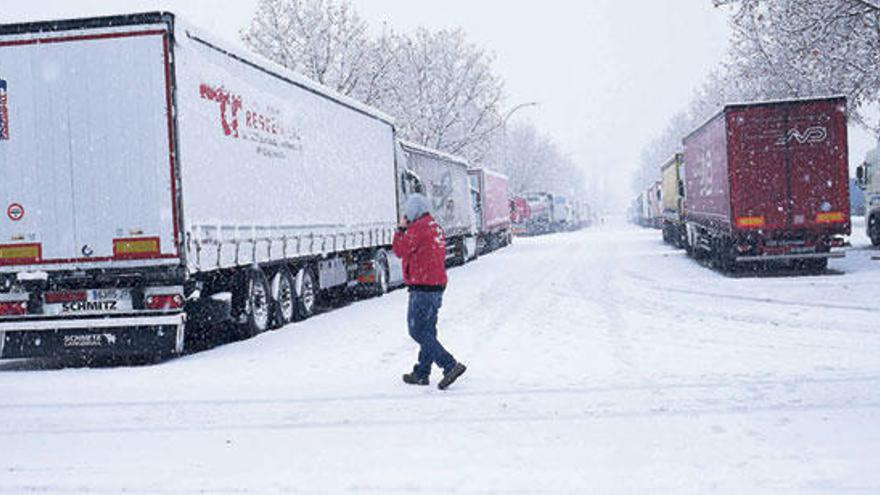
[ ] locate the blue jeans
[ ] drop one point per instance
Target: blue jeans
(422, 321)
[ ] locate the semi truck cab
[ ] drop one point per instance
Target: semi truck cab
(868, 177)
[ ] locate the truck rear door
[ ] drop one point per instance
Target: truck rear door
(816, 146)
(86, 151)
(787, 165)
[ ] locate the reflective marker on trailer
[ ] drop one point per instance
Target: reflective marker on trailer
(836, 217)
(20, 253)
(13, 308)
(65, 297)
(746, 222)
(146, 247)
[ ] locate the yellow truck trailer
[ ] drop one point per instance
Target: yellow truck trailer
(673, 201)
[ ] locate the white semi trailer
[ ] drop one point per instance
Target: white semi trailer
(153, 175)
(443, 179)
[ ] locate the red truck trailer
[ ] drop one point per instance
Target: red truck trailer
(493, 209)
(519, 214)
(769, 181)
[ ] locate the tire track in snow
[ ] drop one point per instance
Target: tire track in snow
(693, 399)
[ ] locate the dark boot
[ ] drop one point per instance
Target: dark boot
(413, 379)
(450, 377)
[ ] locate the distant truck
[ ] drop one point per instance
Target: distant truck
(563, 213)
(654, 206)
(769, 181)
(519, 214)
(868, 177)
(672, 193)
(444, 179)
(154, 176)
(541, 216)
(636, 209)
(492, 209)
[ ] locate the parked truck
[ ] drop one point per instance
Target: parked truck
(520, 212)
(444, 180)
(492, 209)
(672, 201)
(153, 175)
(654, 205)
(769, 181)
(540, 219)
(868, 178)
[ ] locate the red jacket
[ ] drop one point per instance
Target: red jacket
(422, 247)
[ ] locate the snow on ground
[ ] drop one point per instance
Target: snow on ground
(599, 362)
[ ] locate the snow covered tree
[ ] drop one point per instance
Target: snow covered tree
(786, 49)
(325, 40)
(446, 93)
(792, 48)
(441, 88)
(534, 162)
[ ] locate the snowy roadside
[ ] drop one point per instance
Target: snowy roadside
(600, 362)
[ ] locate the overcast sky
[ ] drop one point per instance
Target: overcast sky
(608, 73)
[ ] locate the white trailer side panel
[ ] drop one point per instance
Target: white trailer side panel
(277, 166)
(85, 154)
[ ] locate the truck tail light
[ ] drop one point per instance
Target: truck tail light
(146, 247)
(750, 222)
(13, 254)
(835, 217)
(164, 301)
(65, 297)
(13, 308)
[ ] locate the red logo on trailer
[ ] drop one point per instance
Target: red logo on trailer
(15, 212)
(252, 121)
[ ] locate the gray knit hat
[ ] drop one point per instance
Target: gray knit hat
(416, 207)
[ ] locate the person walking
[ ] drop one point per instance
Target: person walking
(421, 244)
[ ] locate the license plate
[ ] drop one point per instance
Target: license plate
(98, 301)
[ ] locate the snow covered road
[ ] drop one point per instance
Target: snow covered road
(599, 362)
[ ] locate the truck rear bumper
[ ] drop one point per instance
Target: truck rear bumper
(147, 335)
(784, 257)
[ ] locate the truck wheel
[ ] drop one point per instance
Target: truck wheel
(306, 293)
(874, 230)
(816, 265)
(250, 303)
(727, 256)
(283, 298)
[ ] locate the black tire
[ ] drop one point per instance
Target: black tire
(816, 265)
(874, 230)
(727, 256)
(283, 298)
(251, 303)
(306, 293)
